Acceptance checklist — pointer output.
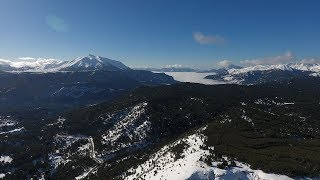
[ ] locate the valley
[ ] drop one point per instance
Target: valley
(151, 131)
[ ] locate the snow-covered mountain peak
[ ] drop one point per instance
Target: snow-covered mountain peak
(92, 62)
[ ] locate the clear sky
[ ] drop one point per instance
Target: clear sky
(160, 32)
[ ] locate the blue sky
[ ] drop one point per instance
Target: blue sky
(161, 32)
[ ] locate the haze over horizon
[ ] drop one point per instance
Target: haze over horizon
(159, 34)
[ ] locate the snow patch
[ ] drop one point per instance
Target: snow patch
(5, 159)
(129, 124)
(12, 131)
(243, 171)
(246, 118)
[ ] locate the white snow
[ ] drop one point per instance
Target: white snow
(10, 125)
(5, 159)
(5, 122)
(288, 67)
(32, 65)
(306, 67)
(12, 131)
(56, 160)
(315, 74)
(127, 124)
(193, 77)
(260, 68)
(225, 118)
(61, 155)
(86, 173)
(53, 65)
(2, 175)
(164, 165)
(269, 102)
(243, 103)
(246, 118)
(59, 122)
(243, 171)
(235, 76)
(288, 103)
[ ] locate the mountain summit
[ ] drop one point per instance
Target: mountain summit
(92, 62)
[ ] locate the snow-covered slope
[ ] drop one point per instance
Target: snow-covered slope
(192, 164)
(284, 67)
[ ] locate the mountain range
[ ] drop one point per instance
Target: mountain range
(229, 74)
(86, 63)
(266, 73)
(83, 81)
(96, 118)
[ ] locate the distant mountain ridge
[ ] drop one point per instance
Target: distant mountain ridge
(86, 63)
(266, 73)
(230, 74)
(66, 84)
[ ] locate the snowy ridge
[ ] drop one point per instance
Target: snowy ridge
(189, 164)
(266, 73)
(162, 165)
(284, 67)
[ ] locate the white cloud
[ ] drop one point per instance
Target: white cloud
(310, 61)
(29, 62)
(174, 66)
(224, 63)
(56, 23)
(4, 62)
(26, 58)
(200, 38)
(281, 59)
